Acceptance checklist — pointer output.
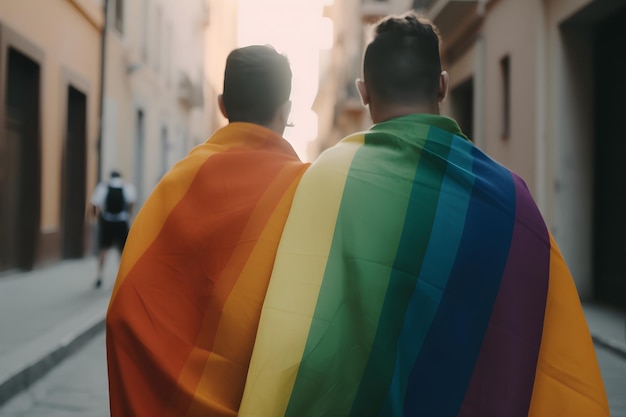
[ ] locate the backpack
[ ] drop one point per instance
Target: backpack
(115, 202)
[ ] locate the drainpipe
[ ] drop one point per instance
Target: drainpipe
(103, 44)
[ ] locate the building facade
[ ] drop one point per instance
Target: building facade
(338, 105)
(49, 101)
(75, 104)
(154, 88)
(220, 39)
(537, 84)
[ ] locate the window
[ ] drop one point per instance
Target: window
(505, 71)
(118, 15)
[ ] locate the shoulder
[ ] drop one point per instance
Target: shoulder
(129, 192)
(99, 193)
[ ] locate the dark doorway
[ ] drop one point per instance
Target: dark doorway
(462, 103)
(609, 37)
(74, 175)
(20, 163)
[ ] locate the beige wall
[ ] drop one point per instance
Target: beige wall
(221, 38)
(509, 30)
(551, 125)
(569, 140)
(162, 43)
(337, 104)
(69, 37)
(339, 67)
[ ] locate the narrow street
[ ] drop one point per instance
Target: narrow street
(613, 369)
(78, 386)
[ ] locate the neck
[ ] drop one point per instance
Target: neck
(381, 113)
(277, 126)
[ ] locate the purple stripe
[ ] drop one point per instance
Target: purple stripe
(502, 382)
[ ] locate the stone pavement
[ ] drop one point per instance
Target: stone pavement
(78, 387)
(608, 328)
(48, 314)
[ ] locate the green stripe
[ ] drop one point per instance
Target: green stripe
(407, 266)
(357, 275)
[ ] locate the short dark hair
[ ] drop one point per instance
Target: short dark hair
(115, 174)
(257, 80)
(402, 63)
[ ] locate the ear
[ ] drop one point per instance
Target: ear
(285, 110)
(220, 103)
(362, 88)
(444, 80)
(281, 117)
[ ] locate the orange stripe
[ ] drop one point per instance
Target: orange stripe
(234, 333)
(181, 277)
(154, 212)
(164, 199)
(568, 381)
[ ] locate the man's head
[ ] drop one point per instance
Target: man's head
(402, 68)
(115, 174)
(257, 85)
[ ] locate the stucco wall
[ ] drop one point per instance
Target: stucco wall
(509, 30)
(161, 41)
(70, 40)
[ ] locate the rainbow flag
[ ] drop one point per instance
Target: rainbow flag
(186, 304)
(416, 277)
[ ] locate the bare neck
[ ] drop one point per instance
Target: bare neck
(381, 113)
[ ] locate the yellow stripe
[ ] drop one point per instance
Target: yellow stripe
(231, 340)
(290, 302)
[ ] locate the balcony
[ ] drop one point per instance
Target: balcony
(189, 93)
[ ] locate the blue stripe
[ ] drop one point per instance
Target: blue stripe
(424, 194)
(437, 265)
(444, 367)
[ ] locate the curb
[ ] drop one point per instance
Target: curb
(24, 373)
(610, 344)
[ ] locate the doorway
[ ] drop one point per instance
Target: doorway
(610, 160)
(20, 153)
(74, 175)
(592, 153)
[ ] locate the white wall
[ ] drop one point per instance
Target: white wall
(162, 41)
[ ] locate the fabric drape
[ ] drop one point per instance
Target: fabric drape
(416, 277)
(185, 307)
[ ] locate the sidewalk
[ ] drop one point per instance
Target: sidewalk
(49, 313)
(46, 315)
(607, 326)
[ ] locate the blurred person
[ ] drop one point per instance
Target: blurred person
(415, 275)
(185, 307)
(113, 205)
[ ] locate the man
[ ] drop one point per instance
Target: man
(415, 275)
(185, 307)
(113, 204)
